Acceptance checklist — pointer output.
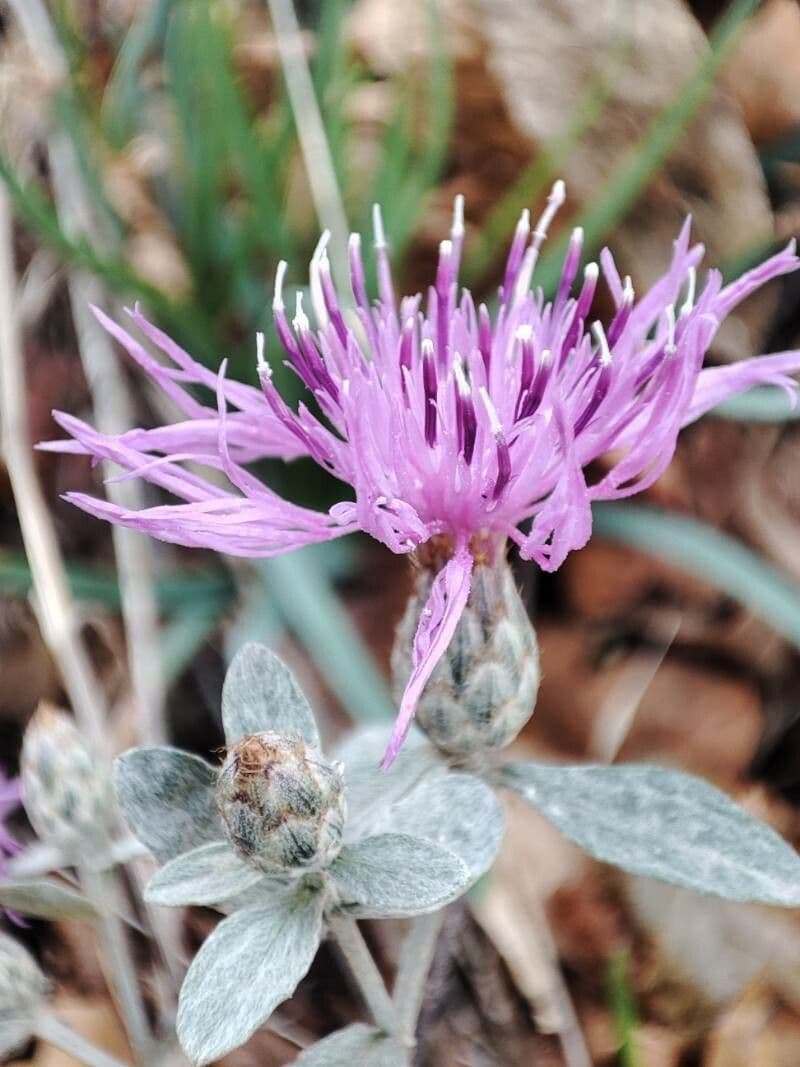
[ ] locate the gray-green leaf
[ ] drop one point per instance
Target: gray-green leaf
(457, 811)
(45, 899)
(261, 693)
(663, 824)
(250, 964)
(396, 874)
(206, 875)
(167, 798)
(370, 789)
(355, 1046)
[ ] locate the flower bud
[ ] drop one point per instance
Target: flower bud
(483, 689)
(282, 803)
(22, 989)
(66, 789)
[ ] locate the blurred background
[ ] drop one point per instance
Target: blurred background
(150, 151)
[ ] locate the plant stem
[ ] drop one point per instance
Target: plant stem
(123, 983)
(310, 126)
(359, 959)
(416, 957)
(54, 1032)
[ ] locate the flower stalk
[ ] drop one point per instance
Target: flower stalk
(365, 971)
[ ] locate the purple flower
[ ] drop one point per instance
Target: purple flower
(453, 426)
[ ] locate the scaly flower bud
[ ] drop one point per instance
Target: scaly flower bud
(66, 790)
(22, 989)
(281, 802)
(483, 690)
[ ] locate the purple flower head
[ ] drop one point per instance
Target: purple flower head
(455, 427)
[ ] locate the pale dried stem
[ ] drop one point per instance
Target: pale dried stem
(76, 1046)
(314, 145)
(113, 414)
(112, 406)
(416, 957)
(52, 600)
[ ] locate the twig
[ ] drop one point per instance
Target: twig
(54, 1032)
(359, 959)
(52, 602)
(124, 983)
(416, 957)
(113, 410)
(311, 134)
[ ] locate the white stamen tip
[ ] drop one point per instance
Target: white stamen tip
(427, 348)
(577, 235)
(280, 274)
(591, 272)
(300, 321)
(524, 332)
(691, 285)
(445, 249)
(461, 378)
(627, 292)
(558, 193)
(546, 357)
(494, 421)
(354, 242)
(261, 343)
(524, 224)
(458, 216)
(322, 243)
(377, 226)
(669, 311)
(600, 336)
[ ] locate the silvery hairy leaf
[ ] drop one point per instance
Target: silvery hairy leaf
(663, 824)
(260, 694)
(167, 798)
(395, 875)
(206, 875)
(369, 789)
(44, 898)
(458, 811)
(249, 965)
(22, 991)
(355, 1046)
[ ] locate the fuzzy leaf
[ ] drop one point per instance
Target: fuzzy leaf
(396, 874)
(369, 789)
(167, 798)
(457, 811)
(249, 965)
(355, 1046)
(663, 824)
(43, 898)
(261, 693)
(206, 875)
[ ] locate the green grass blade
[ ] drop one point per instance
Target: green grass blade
(623, 1008)
(124, 96)
(708, 554)
(300, 588)
(100, 585)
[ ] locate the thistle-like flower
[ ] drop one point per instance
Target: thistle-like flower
(447, 421)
